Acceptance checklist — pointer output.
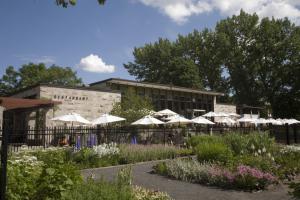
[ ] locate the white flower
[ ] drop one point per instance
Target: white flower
(259, 151)
(252, 146)
(264, 150)
(255, 154)
(269, 155)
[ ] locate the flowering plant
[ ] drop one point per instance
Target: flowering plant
(106, 149)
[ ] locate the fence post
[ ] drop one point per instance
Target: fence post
(295, 134)
(4, 149)
(287, 134)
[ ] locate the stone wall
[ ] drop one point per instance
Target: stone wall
(88, 103)
(1, 115)
(226, 108)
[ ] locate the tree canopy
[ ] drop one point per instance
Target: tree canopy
(132, 107)
(32, 74)
(254, 61)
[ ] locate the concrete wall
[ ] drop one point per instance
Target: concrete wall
(226, 108)
(1, 115)
(88, 103)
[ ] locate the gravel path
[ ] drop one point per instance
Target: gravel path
(180, 190)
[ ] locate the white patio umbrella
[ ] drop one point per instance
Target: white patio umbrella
(222, 114)
(210, 114)
(289, 121)
(233, 115)
(180, 120)
(273, 121)
(165, 112)
(260, 121)
(106, 119)
(147, 120)
(293, 121)
(245, 120)
(227, 120)
(171, 117)
(72, 117)
(201, 120)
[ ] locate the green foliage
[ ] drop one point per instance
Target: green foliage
(213, 152)
(32, 74)
(262, 163)
(116, 190)
(161, 168)
(250, 143)
(159, 62)
(22, 179)
(87, 158)
(288, 164)
(296, 190)
(141, 153)
(259, 57)
(132, 107)
(52, 157)
(202, 139)
(242, 177)
(56, 181)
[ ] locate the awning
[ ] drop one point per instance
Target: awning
(10, 103)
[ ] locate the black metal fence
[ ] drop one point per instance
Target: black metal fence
(79, 137)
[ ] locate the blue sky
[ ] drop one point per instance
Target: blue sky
(40, 31)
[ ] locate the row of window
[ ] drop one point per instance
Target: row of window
(70, 98)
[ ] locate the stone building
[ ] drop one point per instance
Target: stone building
(99, 98)
(185, 101)
(86, 101)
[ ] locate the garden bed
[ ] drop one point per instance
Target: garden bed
(234, 161)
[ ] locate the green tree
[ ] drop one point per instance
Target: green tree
(132, 107)
(262, 58)
(32, 74)
(160, 63)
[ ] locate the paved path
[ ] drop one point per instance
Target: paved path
(180, 190)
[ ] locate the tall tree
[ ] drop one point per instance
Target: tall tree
(262, 58)
(160, 63)
(31, 74)
(202, 49)
(132, 107)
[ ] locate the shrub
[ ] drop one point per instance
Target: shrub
(145, 194)
(259, 143)
(295, 190)
(262, 163)
(202, 139)
(213, 152)
(141, 153)
(248, 178)
(23, 173)
(288, 162)
(243, 177)
(98, 156)
(55, 181)
(101, 189)
(52, 156)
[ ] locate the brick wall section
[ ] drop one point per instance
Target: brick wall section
(226, 108)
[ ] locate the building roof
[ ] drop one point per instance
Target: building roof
(63, 86)
(10, 103)
(156, 85)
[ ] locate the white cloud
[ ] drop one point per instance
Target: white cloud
(93, 63)
(180, 10)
